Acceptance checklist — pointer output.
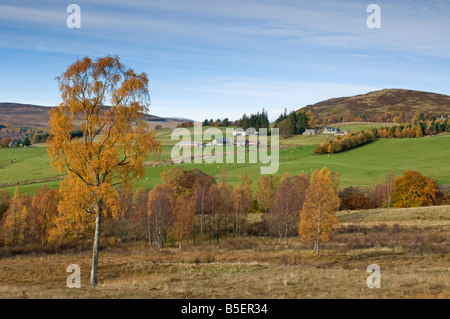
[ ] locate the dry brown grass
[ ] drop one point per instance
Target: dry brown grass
(259, 269)
(414, 261)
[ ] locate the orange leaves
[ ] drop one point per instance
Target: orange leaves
(267, 187)
(42, 213)
(14, 226)
(418, 132)
(242, 204)
(184, 217)
(112, 148)
(114, 142)
(414, 190)
(317, 219)
(289, 198)
(345, 142)
(161, 204)
(312, 123)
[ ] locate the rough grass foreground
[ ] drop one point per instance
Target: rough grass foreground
(414, 263)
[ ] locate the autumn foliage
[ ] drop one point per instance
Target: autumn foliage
(161, 204)
(15, 220)
(184, 217)
(242, 204)
(288, 201)
(114, 139)
(343, 143)
(419, 128)
(191, 208)
(317, 217)
(414, 190)
(43, 210)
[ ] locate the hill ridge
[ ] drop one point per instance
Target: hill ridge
(32, 115)
(380, 106)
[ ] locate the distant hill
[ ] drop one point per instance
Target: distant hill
(380, 106)
(29, 115)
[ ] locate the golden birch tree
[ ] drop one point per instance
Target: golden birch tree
(115, 138)
(43, 210)
(267, 187)
(317, 218)
(14, 226)
(184, 217)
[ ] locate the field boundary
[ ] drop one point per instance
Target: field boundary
(34, 181)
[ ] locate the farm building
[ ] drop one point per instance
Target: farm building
(247, 132)
(190, 144)
(220, 141)
(310, 132)
(334, 131)
(330, 130)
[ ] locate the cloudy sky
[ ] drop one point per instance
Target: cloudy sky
(216, 59)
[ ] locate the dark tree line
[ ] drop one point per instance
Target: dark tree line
(293, 123)
(218, 123)
(257, 121)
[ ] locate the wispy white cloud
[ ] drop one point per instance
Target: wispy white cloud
(207, 58)
(31, 15)
(411, 27)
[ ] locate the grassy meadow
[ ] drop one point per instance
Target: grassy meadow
(411, 246)
(364, 165)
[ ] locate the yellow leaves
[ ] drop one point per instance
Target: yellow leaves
(246, 181)
(317, 219)
(103, 65)
(161, 200)
(43, 210)
(267, 186)
(78, 207)
(184, 216)
(115, 141)
(311, 121)
(414, 190)
(60, 127)
(242, 200)
(285, 177)
(15, 220)
(418, 130)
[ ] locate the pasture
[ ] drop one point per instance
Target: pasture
(366, 165)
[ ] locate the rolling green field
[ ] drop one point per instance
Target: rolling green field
(358, 126)
(365, 165)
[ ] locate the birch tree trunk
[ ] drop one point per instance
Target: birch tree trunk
(98, 224)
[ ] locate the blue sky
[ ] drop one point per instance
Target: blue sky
(216, 59)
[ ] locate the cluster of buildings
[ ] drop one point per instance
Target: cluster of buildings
(226, 141)
(327, 130)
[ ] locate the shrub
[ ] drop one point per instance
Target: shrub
(414, 190)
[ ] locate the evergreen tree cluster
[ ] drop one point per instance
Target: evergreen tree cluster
(256, 121)
(222, 123)
(293, 123)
